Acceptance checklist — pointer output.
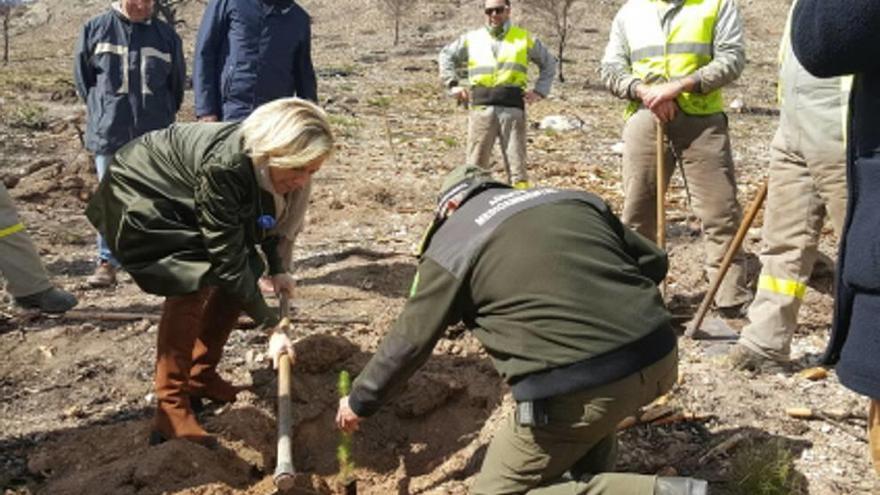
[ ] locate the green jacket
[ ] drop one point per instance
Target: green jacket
(179, 209)
(561, 294)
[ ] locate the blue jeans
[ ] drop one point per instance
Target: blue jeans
(104, 254)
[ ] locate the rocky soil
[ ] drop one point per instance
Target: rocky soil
(76, 391)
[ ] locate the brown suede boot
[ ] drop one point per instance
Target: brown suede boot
(221, 313)
(178, 331)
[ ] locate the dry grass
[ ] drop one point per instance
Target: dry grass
(765, 468)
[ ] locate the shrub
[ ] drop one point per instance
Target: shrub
(29, 116)
(765, 468)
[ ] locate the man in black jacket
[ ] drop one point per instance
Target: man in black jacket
(564, 299)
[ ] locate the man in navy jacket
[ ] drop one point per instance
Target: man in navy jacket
(130, 71)
(250, 52)
(830, 38)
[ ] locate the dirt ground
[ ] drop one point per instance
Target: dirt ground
(76, 391)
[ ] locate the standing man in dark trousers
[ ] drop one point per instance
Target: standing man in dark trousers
(539, 275)
(130, 71)
(249, 52)
(834, 38)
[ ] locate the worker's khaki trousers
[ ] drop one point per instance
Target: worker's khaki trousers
(486, 124)
(19, 262)
(804, 185)
(874, 432)
(580, 438)
(703, 144)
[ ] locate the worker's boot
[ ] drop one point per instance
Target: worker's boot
(104, 275)
(178, 331)
(220, 316)
(742, 358)
(671, 485)
(51, 300)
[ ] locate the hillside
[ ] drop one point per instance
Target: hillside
(76, 392)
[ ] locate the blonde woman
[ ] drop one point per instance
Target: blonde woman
(183, 210)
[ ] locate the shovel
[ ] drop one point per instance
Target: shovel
(285, 473)
(718, 329)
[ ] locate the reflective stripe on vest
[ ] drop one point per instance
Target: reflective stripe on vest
(846, 83)
(658, 57)
(509, 68)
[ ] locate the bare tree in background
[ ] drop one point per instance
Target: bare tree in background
(5, 11)
(395, 10)
(558, 16)
(168, 10)
(6, 8)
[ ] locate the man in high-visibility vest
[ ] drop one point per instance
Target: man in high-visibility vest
(807, 181)
(26, 277)
(497, 57)
(670, 59)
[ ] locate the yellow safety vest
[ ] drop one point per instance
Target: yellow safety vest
(656, 56)
(509, 68)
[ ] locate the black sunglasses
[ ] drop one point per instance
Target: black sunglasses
(495, 10)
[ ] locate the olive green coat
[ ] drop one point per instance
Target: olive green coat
(179, 209)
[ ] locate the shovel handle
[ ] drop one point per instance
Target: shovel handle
(734, 246)
(661, 186)
(284, 470)
(661, 193)
(285, 473)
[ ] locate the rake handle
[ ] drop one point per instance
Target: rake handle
(734, 246)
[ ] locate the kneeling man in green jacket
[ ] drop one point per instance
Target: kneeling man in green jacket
(564, 298)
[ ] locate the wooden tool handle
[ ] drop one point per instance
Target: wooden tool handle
(728, 257)
(661, 185)
(285, 473)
